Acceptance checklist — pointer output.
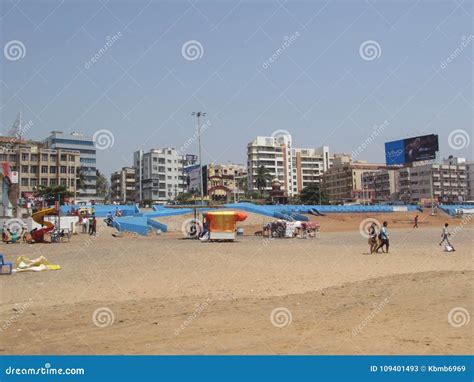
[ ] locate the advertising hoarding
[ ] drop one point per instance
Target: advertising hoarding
(411, 150)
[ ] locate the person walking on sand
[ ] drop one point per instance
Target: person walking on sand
(384, 238)
(445, 236)
(373, 238)
(415, 222)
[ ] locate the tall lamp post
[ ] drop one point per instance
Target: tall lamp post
(198, 115)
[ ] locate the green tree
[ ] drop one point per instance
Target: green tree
(80, 178)
(51, 194)
(313, 194)
(102, 185)
(262, 178)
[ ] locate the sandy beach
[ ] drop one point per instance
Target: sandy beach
(163, 294)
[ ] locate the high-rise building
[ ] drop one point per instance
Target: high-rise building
(343, 181)
(470, 180)
(445, 182)
(85, 146)
(294, 168)
(159, 175)
(122, 185)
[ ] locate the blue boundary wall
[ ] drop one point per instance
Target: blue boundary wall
(451, 208)
(101, 210)
(277, 211)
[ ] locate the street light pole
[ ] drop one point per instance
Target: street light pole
(200, 114)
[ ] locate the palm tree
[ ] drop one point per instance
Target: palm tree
(80, 180)
(262, 178)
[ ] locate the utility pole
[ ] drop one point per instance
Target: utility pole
(200, 114)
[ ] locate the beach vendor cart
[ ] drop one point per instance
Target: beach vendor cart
(222, 224)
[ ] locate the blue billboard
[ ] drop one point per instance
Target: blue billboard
(411, 150)
(395, 152)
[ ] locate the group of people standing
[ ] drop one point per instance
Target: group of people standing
(378, 239)
(89, 224)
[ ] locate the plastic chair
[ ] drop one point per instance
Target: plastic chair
(3, 263)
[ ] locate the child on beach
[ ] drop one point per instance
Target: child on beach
(384, 238)
(373, 238)
(415, 224)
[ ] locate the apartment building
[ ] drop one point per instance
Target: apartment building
(85, 146)
(380, 186)
(309, 165)
(223, 181)
(37, 165)
(343, 181)
(445, 182)
(122, 184)
(159, 175)
(294, 168)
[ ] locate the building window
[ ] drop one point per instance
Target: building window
(13, 157)
(63, 157)
(71, 170)
(33, 182)
(71, 158)
(54, 158)
(44, 157)
(44, 169)
(24, 169)
(24, 182)
(3, 157)
(63, 170)
(52, 170)
(63, 182)
(25, 156)
(53, 182)
(34, 157)
(44, 181)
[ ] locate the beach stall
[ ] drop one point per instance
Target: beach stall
(222, 224)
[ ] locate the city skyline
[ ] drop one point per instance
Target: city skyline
(138, 70)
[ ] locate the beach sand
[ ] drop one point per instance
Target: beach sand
(163, 294)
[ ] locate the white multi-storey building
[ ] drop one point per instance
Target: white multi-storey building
(294, 168)
(445, 182)
(159, 175)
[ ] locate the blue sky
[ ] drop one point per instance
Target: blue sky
(321, 87)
